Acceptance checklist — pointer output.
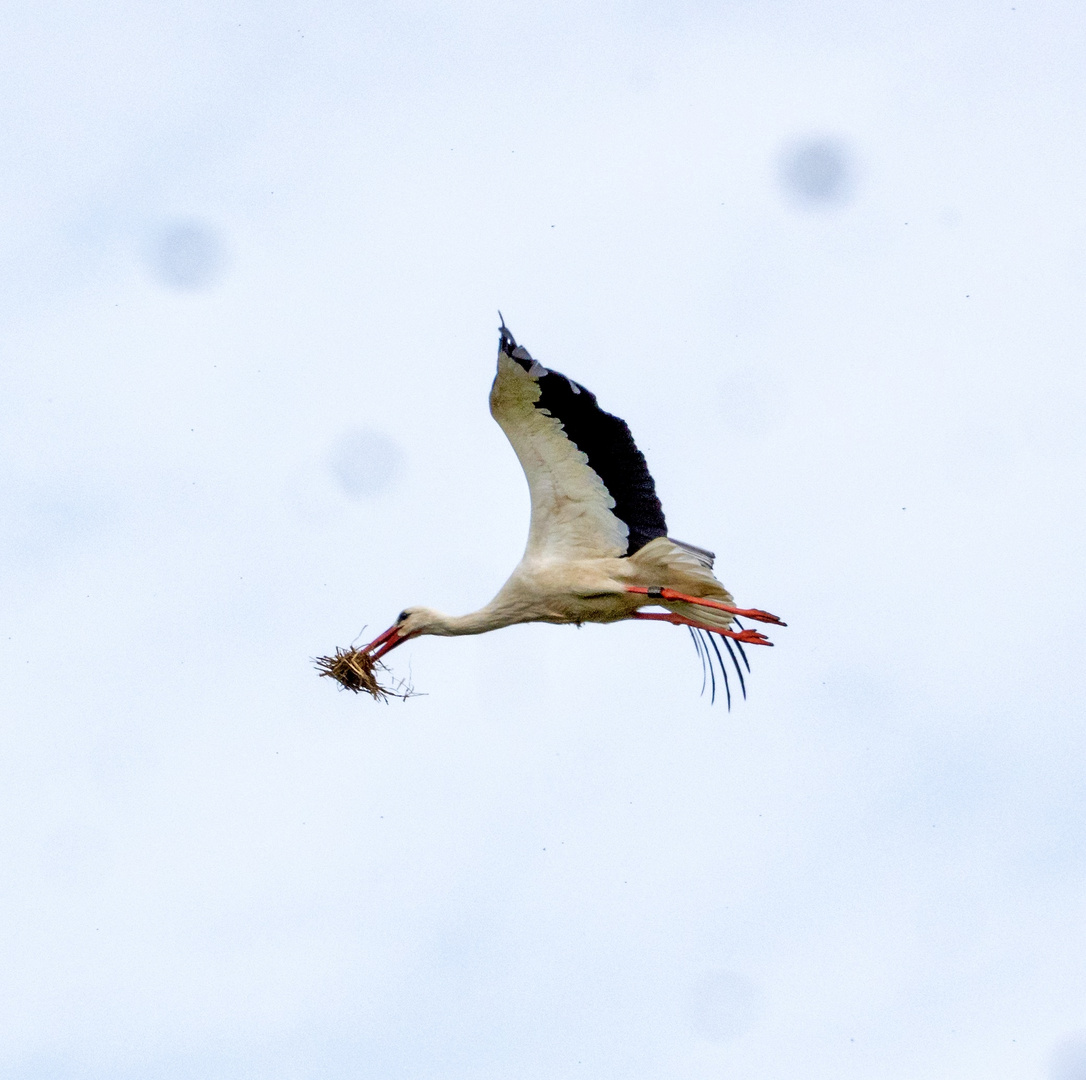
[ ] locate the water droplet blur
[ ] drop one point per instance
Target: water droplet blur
(365, 463)
(1069, 1060)
(187, 255)
(722, 1005)
(818, 172)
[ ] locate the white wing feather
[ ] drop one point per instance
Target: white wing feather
(571, 507)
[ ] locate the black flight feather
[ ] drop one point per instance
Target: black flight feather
(738, 669)
(723, 670)
(607, 443)
(701, 655)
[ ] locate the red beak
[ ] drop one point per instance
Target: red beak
(387, 642)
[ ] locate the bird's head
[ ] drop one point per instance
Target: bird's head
(412, 622)
(417, 620)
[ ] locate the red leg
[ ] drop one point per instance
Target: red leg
(670, 594)
(748, 637)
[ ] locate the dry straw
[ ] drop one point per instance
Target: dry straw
(354, 670)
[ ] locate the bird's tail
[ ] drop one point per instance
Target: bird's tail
(687, 570)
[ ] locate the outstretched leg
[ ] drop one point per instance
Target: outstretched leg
(658, 592)
(749, 637)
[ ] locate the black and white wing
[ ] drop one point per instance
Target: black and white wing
(592, 494)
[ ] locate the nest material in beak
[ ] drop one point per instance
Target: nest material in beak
(354, 670)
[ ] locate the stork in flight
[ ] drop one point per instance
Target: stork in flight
(598, 549)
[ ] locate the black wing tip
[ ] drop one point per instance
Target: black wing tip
(506, 342)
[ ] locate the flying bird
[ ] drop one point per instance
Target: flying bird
(598, 548)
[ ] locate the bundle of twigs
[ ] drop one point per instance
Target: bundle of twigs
(354, 670)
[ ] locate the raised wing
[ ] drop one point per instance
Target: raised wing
(592, 494)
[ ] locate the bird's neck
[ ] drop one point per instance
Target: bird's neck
(477, 622)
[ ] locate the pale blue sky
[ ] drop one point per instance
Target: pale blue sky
(253, 260)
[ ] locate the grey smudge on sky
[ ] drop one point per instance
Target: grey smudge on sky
(187, 255)
(818, 171)
(365, 462)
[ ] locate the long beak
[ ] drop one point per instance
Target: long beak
(387, 642)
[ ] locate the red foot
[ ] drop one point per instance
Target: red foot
(748, 637)
(670, 594)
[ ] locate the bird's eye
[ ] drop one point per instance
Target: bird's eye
(400, 618)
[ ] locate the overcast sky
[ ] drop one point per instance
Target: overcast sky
(828, 261)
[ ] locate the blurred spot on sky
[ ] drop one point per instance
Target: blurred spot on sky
(722, 1005)
(818, 172)
(187, 255)
(365, 463)
(1069, 1060)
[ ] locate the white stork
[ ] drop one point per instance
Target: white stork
(598, 549)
